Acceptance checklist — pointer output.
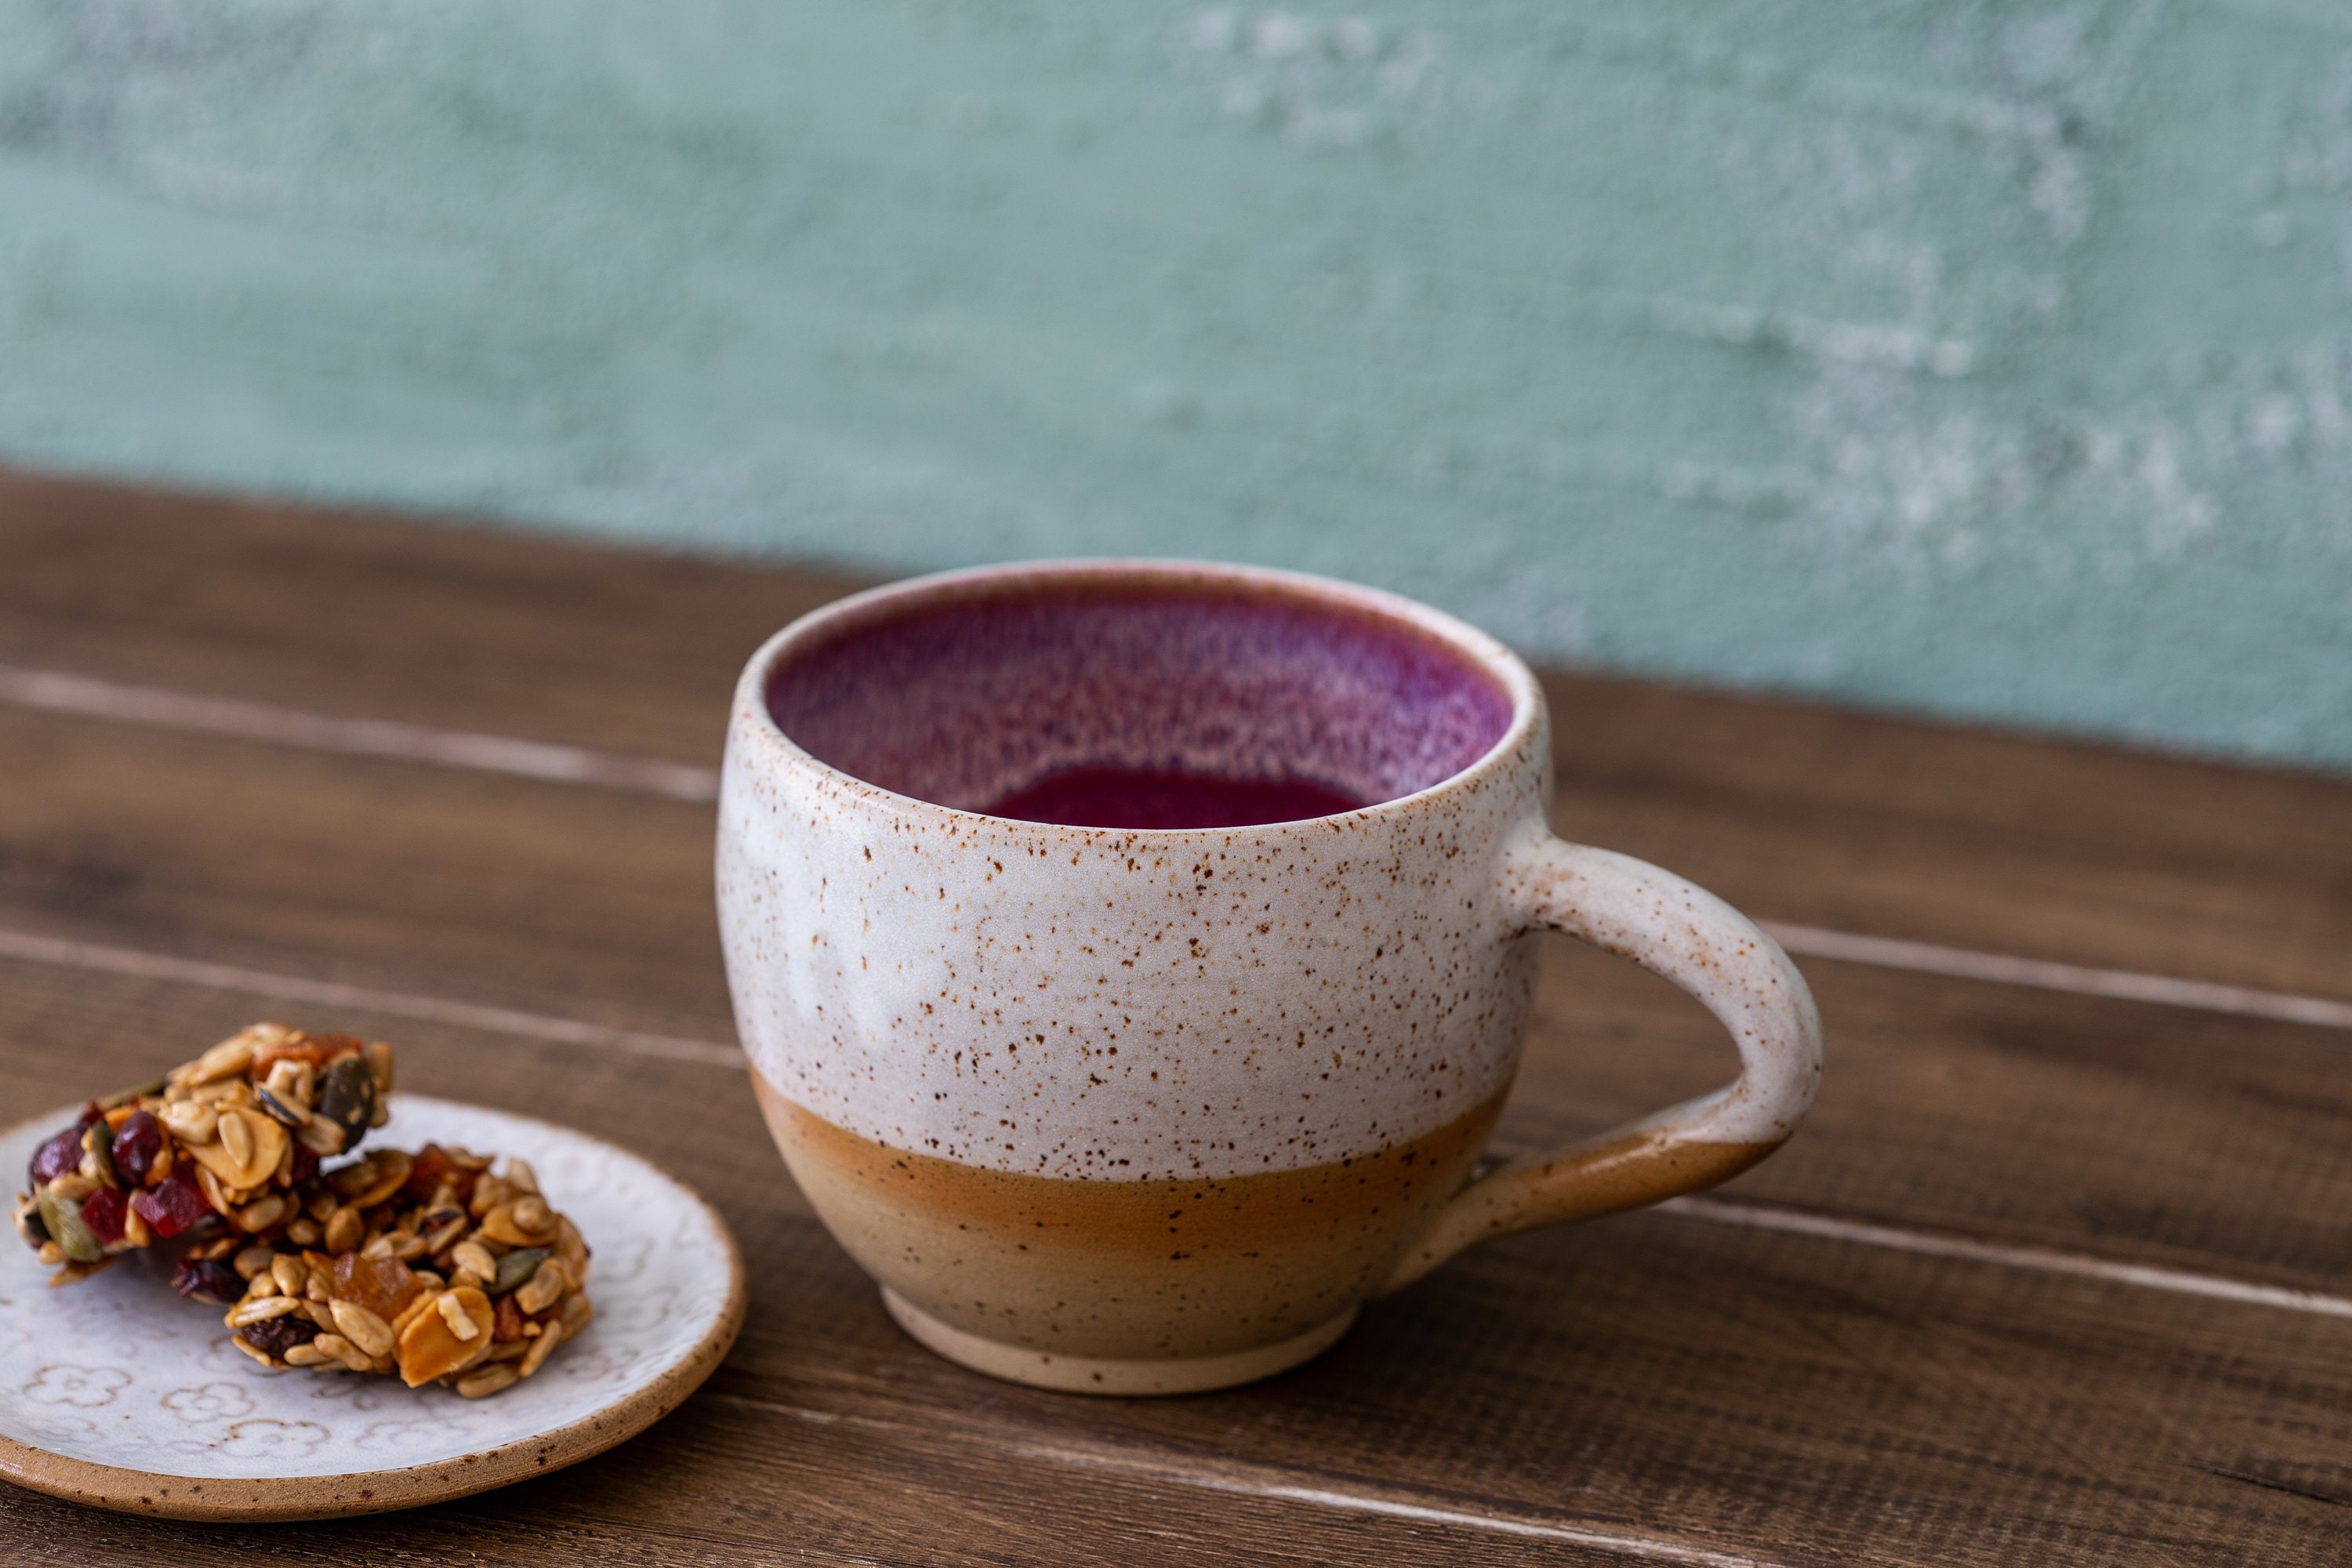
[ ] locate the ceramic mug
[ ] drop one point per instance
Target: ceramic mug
(1140, 1111)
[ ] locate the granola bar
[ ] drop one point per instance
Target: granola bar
(219, 1143)
(426, 1265)
(497, 1282)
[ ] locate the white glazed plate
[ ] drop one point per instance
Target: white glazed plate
(115, 1392)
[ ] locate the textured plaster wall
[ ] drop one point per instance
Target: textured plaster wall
(1993, 359)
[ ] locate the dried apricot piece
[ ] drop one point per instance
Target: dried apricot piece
(383, 1285)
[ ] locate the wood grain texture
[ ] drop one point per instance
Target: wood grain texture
(1649, 1378)
(1657, 1384)
(2017, 845)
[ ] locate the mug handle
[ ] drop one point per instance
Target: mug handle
(1677, 929)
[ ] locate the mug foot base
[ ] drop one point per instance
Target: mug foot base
(1102, 1374)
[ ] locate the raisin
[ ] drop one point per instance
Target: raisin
(208, 1279)
(275, 1336)
(136, 1143)
(104, 1210)
(306, 1163)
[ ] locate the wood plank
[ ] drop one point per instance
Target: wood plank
(382, 617)
(727, 1481)
(1650, 1378)
(1798, 812)
(477, 886)
(2149, 1135)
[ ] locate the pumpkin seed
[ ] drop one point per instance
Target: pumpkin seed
(98, 1153)
(347, 1098)
(514, 1269)
(62, 1218)
(285, 1110)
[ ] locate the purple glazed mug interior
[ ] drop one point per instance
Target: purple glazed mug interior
(995, 692)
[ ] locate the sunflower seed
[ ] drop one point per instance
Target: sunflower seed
(254, 1309)
(545, 1287)
(490, 1380)
(363, 1328)
(473, 1255)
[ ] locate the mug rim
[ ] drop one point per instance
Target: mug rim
(876, 606)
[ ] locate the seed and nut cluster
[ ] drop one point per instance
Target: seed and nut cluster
(495, 1283)
(314, 1264)
(226, 1138)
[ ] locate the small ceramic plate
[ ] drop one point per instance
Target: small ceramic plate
(114, 1391)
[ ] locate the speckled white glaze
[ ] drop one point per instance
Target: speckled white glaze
(1092, 1005)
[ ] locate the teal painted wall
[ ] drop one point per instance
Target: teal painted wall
(1989, 358)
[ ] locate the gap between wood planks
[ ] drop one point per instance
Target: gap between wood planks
(32, 948)
(57, 691)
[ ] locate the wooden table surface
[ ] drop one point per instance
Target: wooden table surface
(2060, 1271)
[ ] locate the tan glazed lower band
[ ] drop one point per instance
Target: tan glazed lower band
(1025, 1277)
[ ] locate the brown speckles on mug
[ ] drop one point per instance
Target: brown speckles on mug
(1076, 1021)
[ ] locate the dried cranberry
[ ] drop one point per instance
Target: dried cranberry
(103, 1211)
(306, 1163)
(136, 1143)
(173, 1205)
(208, 1279)
(276, 1336)
(433, 1162)
(59, 1156)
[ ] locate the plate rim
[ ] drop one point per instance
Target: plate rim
(261, 1498)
